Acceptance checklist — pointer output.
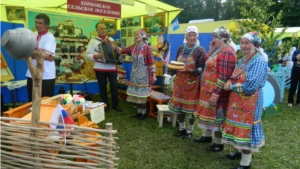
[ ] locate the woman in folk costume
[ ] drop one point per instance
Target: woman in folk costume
(186, 85)
(212, 105)
(143, 72)
(242, 127)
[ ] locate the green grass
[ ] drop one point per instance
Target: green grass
(143, 145)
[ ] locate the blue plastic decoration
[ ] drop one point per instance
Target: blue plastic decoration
(269, 94)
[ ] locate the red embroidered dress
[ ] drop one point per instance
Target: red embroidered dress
(186, 84)
(242, 127)
(218, 70)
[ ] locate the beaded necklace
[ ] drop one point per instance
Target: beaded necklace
(241, 67)
(135, 66)
(181, 57)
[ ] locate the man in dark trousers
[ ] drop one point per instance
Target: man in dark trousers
(103, 68)
(45, 40)
(295, 79)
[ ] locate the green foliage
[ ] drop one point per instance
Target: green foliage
(290, 11)
(197, 9)
(256, 17)
(263, 16)
(230, 10)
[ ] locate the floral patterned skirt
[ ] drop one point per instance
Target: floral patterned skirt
(138, 95)
(243, 129)
(185, 94)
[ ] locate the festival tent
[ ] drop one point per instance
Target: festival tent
(289, 32)
(205, 27)
(129, 8)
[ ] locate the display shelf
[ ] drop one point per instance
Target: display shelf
(72, 39)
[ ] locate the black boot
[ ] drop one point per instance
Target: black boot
(187, 136)
(215, 147)
(236, 155)
(138, 115)
(143, 117)
(203, 140)
(179, 133)
(241, 167)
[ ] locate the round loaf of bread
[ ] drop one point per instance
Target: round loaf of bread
(175, 67)
(176, 63)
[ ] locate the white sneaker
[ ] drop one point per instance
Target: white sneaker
(290, 105)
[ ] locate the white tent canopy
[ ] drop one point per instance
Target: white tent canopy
(289, 32)
(138, 7)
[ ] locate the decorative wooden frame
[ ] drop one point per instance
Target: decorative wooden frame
(15, 13)
(111, 27)
(130, 22)
(155, 24)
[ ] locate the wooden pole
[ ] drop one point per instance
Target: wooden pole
(109, 141)
(36, 75)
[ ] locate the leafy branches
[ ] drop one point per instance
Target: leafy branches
(256, 17)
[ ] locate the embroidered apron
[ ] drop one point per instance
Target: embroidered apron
(209, 117)
(139, 88)
(241, 109)
(186, 89)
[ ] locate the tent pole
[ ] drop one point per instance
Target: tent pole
(168, 26)
(165, 71)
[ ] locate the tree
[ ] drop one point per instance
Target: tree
(197, 9)
(254, 15)
(290, 11)
(230, 10)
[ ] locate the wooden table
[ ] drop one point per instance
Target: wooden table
(57, 99)
(71, 83)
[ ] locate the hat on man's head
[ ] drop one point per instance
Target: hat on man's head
(253, 37)
(221, 33)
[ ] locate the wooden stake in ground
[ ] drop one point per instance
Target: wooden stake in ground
(36, 75)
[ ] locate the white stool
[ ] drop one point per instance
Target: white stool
(163, 109)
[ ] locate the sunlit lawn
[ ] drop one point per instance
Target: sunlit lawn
(143, 145)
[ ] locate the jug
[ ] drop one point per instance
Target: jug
(19, 43)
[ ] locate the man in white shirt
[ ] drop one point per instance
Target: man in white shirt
(45, 40)
(103, 68)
